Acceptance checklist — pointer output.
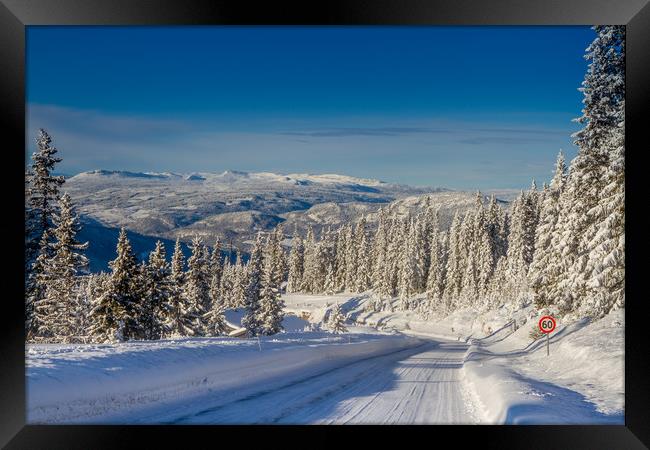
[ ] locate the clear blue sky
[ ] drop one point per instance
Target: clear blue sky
(460, 107)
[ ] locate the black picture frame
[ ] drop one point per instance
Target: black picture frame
(16, 14)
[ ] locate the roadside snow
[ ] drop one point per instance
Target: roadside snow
(489, 362)
(581, 381)
(509, 374)
(76, 383)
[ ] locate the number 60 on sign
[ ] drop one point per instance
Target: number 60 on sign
(546, 324)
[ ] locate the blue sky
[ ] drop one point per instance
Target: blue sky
(459, 107)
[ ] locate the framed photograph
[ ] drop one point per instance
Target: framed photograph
(273, 221)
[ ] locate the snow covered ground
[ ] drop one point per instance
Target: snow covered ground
(580, 381)
(391, 367)
(90, 383)
(420, 384)
(508, 374)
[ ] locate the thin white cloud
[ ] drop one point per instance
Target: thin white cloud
(424, 151)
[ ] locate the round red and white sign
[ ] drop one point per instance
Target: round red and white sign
(546, 324)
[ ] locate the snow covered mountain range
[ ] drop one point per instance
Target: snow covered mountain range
(233, 205)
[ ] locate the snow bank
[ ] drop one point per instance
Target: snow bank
(509, 374)
(459, 326)
(583, 377)
(80, 383)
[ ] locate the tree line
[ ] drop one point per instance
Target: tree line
(562, 247)
(146, 300)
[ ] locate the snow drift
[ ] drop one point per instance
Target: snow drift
(80, 383)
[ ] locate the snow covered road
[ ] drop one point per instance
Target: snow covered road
(415, 385)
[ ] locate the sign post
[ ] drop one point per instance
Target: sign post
(547, 325)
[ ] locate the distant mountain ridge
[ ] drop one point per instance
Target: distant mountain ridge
(235, 205)
(236, 176)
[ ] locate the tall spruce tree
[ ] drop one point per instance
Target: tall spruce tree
(598, 273)
(239, 282)
(278, 257)
(437, 272)
(35, 293)
(42, 193)
(197, 287)
(215, 319)
(364, 268)
(455, 264)
(158, 292)
(296, 264)
(179, 322)
(602, 116)
(116, 313)
(310, 263)
(67, 262)
(543, 272)
(251, 320)
(271, 304)
(379, 255)
(216, 264)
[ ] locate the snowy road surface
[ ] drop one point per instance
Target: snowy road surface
(416, 385)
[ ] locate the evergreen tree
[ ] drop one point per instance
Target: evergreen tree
(336, 322)
(271, 304)
(455, 264)
(251, 320)
(324, 255)
(179, 322)
(278, 257)
(215, 319)
(485, 253)
(407, 266)
(83, 298)
(599, 271)
(116, 313)
(296, 264)
(521, 241)
(364, 268)
(380, 256)
(602, 114)
(239, 282)
(339, 264)
(543, 272)
(158, 291)
(42, 194)
(437, 271)
(429, 228)
(216, 265)
(310, 263)
(469, 246)
(35, 293)
(330, 279)
(350, 258)
(397, 229)
(497, 235)
(225, 284)
(197, 288)
(58, 307)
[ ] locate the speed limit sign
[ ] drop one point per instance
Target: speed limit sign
(546, 324)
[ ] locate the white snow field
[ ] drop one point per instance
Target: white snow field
(509, 376)
(82, 383)
(400, 370)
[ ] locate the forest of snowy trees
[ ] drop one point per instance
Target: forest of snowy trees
(149, 300)
(561, 247)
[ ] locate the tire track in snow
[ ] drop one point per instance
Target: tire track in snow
(421, 385)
